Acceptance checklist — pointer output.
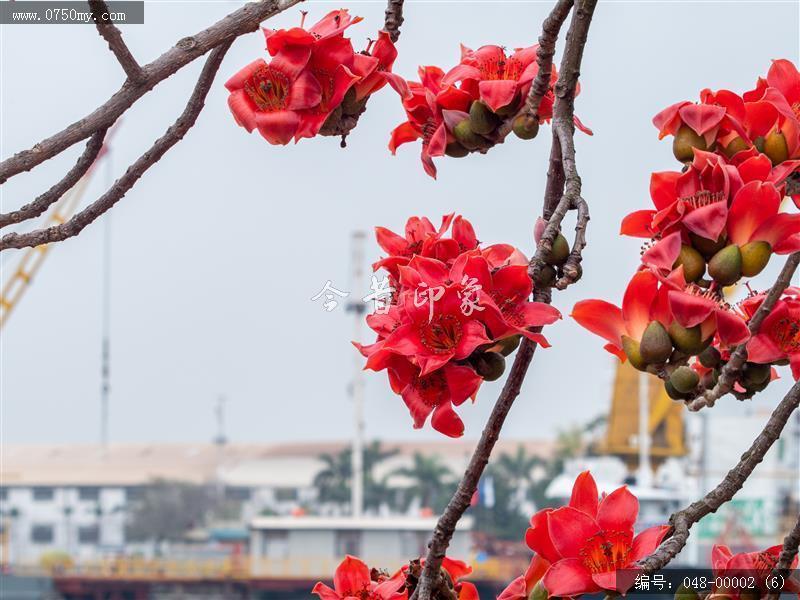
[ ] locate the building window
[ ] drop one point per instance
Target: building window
(89, 534)
(89, 493)
(42, 534)
(3, 494)
(43, 494)
(237, 494)
(285, 494)
(276, 543)
(348, 542)
(134, 494)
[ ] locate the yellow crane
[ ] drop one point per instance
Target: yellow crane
(32, 258)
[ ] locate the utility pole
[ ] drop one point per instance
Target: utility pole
(220, 440)
(105, 350)
(358, 308)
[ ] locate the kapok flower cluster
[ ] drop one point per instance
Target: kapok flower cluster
(452, 312)
(713, 223)
(313, 79)
(473, 106)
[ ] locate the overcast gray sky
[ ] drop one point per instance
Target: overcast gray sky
(219, 247)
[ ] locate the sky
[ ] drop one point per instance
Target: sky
(217, 251)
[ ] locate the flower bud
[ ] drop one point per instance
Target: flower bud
(684, 143)
(466, 137)
(755, 256)
(631, 348)
(525, 128)
(684, 379)
(509, 109)
(655, 346)
(509, 344)
(706, 247)
(672, 392)
(489, 365)
(481, 119)
(710, 357)
(693, 264)
(725, 267)
(775, 147)
(688, 340)
(558, 255)
(736, 145)
(456, 150)
(755, 374)
(547, 276)
(686, 593)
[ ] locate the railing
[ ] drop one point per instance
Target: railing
(244, 568)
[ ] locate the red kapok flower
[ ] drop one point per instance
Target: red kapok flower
(456, 570)
(352, 581)
(758, 565)
(372, 65)
(778, 338)
(589, 540)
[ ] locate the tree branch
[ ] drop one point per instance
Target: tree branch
(681, 522)
(790, 547)
(459, 503)
(394, 18)
(730, 372)
(111, 34)
(241, 21)
(51, 196)
(172, 136)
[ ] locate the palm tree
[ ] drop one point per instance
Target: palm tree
(334, 479)
(517, 470)
(432, 481)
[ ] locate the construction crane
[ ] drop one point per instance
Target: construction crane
(32, 258)
(664, 426)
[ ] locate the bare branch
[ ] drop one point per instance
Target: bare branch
(51, 196)
(733, 367)
(561, 154)
(111, 34)
(681, 522)
(172, 136)
(394, 18)
(791, 544)
(241, 21)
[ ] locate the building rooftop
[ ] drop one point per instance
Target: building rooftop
(310, 523)
(245, 465)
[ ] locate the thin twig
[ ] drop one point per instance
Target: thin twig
(730, 372)
(51, 196)
(791, 543)
(241, 21)
(111, 34)
(442, 534)
(681, 522)
(172, 136)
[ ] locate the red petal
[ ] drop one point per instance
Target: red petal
(537, 537)
(569, 529)
(784, 76)
(702, 117)
(780, 231)
(279, 127)
(618, 511)
(664, 253)
(647, 541)
(637, 302)
(707, 221)
(325, 592)
(754, 204)
(601, 318)
(515, 590)
(291, 60)
(690, 310)
(761, 349)
(668, 120)
(731, 328)
(499, 93)
(584, 494)
(243, 110)
(403, 133)
(638, 224)
(304, 92)
(663, 188)
(569, 577)
(720, 555)
(462, 382)
(446, 421)
(351, 576)
(535, 571)
(238, 80)
(390, 241)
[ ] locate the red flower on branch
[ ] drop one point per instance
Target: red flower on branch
(756, 565)
(778, 338)
(353, 580)
(590, 540)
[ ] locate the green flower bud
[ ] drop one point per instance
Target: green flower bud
(693, 264)
(755, 257)
(466, 137)
(538, 592)
(489, 365)
(706, 247)
(560, 251)
(525, 128)
(686, 593)
(672, 392)
(775, 147)
(655, 346)
(509, 109)
(684, 379)
(455, 150)
(737, 144)
(548, 276)
(509, 344)
(755, 374)
(725, 267)
(759, 143)
(710, 357)
(631, 348)
(481, 119)
(688, 340)
(685, 140)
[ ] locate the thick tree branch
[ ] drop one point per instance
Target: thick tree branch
(790, 547)
(51, 196)
(172, 136)
(734, 366)
(111, 34)
(564, 154)
(394, 18)
(244, 20)
(682, 521)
